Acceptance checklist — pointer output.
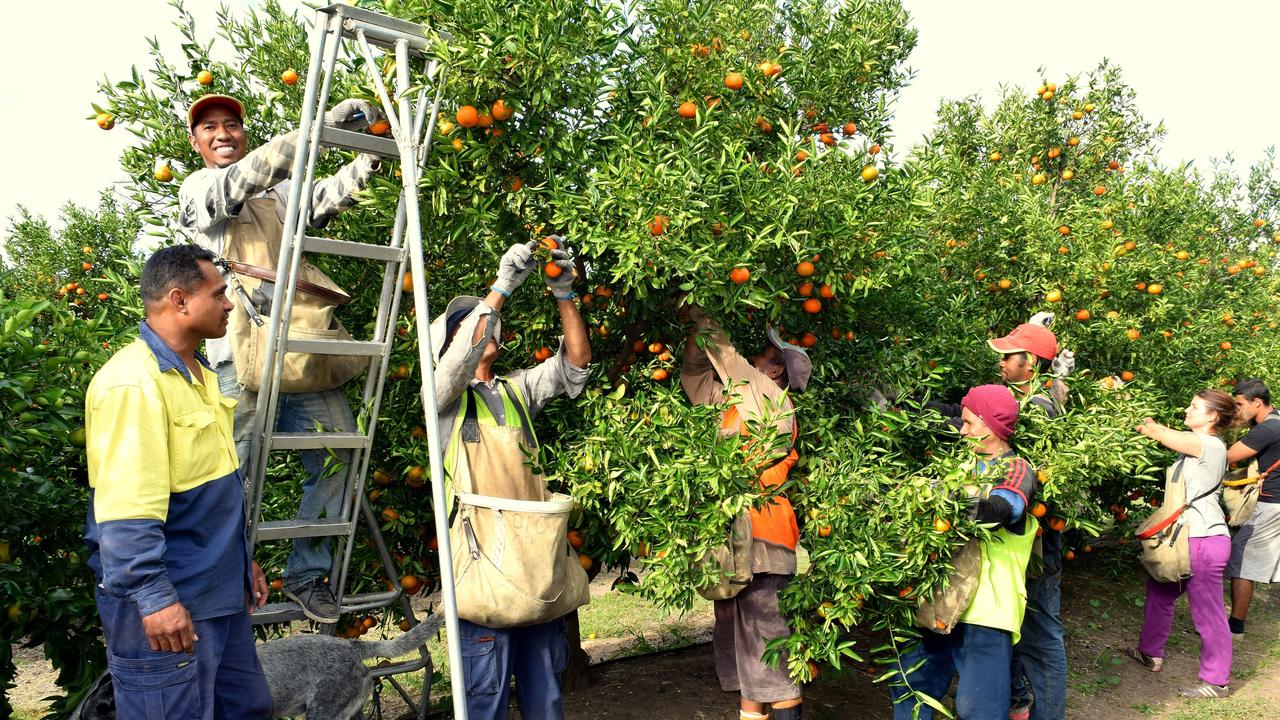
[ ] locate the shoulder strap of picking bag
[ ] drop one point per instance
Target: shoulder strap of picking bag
(1162, 525)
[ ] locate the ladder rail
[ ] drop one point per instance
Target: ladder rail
(264, 415)
(430, 410)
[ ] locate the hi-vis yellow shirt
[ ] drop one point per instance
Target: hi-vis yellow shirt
(166, 515)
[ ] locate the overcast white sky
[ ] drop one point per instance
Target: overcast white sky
(1205, 71)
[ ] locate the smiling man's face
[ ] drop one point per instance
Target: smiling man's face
(219, 137)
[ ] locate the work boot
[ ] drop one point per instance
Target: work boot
(316, 600)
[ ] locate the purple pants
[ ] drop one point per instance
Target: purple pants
(1204, 595)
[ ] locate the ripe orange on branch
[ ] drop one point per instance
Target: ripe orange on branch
(687, 110)
(289, 77)
(467, 116)
(739, 275)
(733, 81)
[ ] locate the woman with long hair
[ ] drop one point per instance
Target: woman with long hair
(1202, 460)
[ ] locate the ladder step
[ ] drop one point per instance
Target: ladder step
(336, 347)
(368, 601)
(360, 142)
(280, 612)
(285, 529)
(385, 253)
(318, 440)
(385, 668)
(383, 30)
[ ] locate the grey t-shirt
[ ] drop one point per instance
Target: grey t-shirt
(1203, 476)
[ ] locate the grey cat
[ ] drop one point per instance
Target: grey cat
(325, 677)
(320, 676)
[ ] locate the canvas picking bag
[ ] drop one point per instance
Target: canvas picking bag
(1164, 537)
(252, 245)
(512, 562)
(733, 560)
(941, 612)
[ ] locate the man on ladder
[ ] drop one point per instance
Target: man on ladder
(234, 207)
(487, 419)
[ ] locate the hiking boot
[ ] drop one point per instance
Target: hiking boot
(1154, 664)
(316, 600)
(1206, 690)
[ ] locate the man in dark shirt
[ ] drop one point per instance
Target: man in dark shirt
(1255, 549)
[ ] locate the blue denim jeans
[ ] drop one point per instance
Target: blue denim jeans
(533, 655)
(322, 490)
(1039, 666)
(223, 680)
(979, 655)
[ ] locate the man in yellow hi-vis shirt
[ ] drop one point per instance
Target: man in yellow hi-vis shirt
(166, 525)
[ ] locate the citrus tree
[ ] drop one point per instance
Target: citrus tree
(741, 154)
(63, 311)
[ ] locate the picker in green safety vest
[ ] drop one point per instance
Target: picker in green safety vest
(486, 419)
(980, 646)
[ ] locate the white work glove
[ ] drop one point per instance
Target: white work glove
(513, 269)
(1064, 363)
(562, 285)
(1043, 318)
(354, 115)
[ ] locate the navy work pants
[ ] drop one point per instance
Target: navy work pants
(222, 680)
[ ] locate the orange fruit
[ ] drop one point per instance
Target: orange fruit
(870, 173)
(467, 116)
(941, 525)
(687, 110)
(381, 127)
(1005, 284)
(655, 347)
(410, 584)
(390, 515)
(805, 289)
(1082, 315)
(500, 110)
(1071, 555)
(106, 121)
(277, 584)
(995, 156)
(813, 306)
(1126, 376)
(586, 561)
(289, 77)
(874, 149)
(805, 268)
(827, 139)
(404, 626)
(1099, 190)
(164, 173)
(1225, 345)
(415, 476)
(204, 77)
(660, 374)
(808, 340)
(1064, 230)
(103, 296)
(86, 266)
(514, 183)
(824, 531)
(407, 284)
(576, 538)
(1068, 174)
(1039, 509)
(906, 591)
(1057, 523)
(1038, 179)
(739, 275)
(542, 353)
(658, 225)
(1054, 152)
(1132, 334)
(1053, 296)
(733, 81)
(801, 156)
(553, 270)
(1155, 288)
(825, 291)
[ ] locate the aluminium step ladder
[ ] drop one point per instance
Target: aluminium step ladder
(336, 28)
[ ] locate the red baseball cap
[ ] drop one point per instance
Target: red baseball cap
(1028, 337)
(208, 101)
(996, 406)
